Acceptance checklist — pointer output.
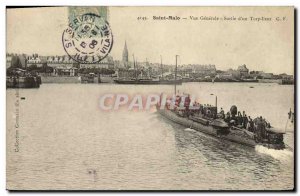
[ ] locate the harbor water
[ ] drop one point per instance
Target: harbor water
(65, 141)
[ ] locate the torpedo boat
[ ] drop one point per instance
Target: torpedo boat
(232, 126)
(257, 132)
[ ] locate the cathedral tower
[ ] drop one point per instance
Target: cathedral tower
(125, 55)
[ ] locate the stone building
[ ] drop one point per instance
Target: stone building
(198, 69)
(244, 71)
(107, 63)
(16, 60)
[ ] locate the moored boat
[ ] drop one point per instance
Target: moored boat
(172, 81)
(19, 78)
(135, 81)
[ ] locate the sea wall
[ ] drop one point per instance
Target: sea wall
(270, 81)
(60, 79)
(106, 79)
(72, 79)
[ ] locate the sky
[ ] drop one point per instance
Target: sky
(265, 45)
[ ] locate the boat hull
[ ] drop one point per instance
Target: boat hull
(237, 136)
(23, 81)
(146, 82)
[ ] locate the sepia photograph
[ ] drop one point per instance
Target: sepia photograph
(144, 98)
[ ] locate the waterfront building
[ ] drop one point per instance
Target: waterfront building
(34, 59)
(16, 60)
(56, 61)
(225, 75)
(107, 63)
(244, 71)
(266, 75)
(286, 76)
(8, 60)
(255, 74)
(65, 70)
(117, 64)
(196, 70)
(205, 70)
(234, 73)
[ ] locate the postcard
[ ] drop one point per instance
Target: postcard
(150, 98)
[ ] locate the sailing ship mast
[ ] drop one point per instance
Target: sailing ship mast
(175, 73)
(134, 67)
(137, 70)
(161, 68)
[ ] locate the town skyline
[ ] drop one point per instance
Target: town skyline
(118, 62)
(240, 43)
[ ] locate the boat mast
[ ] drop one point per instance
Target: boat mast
(137, 70)
(134, 66)
(161, 68)
(216, 104)
(175, 73)
(147, 69)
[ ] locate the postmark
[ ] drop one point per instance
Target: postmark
(88, 38)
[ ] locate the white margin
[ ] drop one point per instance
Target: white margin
(5, 3)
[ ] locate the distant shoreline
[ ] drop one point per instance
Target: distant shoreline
(108, 79)
(71, 79)
(60, 79)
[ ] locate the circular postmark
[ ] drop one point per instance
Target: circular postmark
(88, 38)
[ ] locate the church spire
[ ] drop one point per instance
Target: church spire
(125, 54)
